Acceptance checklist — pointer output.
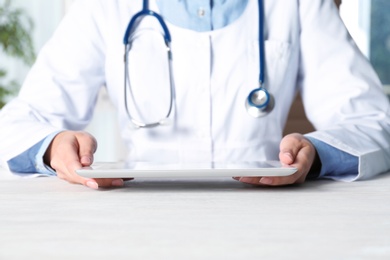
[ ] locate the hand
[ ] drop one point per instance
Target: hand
(70, 151)
(295, 150)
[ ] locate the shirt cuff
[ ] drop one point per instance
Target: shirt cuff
(336, 164)
(31, 161)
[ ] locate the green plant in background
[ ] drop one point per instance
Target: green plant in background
(15, 41)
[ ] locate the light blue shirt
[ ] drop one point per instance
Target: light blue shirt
(201, 15)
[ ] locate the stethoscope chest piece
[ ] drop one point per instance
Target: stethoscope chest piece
(259, 102)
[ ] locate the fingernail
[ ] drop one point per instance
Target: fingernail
(117, 183)
(92, 185)
(245, 179)
(266, 181)
(86, 160)
(289, 156)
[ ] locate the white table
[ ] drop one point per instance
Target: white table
(47, 218)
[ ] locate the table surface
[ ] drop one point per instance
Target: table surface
(47, 218)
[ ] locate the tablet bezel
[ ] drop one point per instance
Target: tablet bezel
(186, 170)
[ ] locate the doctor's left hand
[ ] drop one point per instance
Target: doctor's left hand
(69, 151)
(296, 151)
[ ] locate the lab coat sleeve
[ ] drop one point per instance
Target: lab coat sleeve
(342, 95)
(62, 87)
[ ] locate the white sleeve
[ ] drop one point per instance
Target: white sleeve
(62, 87)
(343, 96)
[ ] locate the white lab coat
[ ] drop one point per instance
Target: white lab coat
(307, 49)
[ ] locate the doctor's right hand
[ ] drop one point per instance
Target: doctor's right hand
(69, 151)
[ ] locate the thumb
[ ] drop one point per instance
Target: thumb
(87, 147)
(289, 147)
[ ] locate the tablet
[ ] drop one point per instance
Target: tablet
(177, 170)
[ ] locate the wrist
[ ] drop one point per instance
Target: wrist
(48, 153)
(315, 169)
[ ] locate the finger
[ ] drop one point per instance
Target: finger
(92, 183)
(250, 180)
(71, 164)
(289, 147)
(73, 177)
(270, 181)
(292, 152)
(112, 182)
(304, 160)
(302, 152)
(87, 147)
(73, 150)
(281, 181)
(65, 158)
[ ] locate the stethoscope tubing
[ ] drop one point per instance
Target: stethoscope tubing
(258, 109)
(146, 12)
(127, 42)
(261, 43)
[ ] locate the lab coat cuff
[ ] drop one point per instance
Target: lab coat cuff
(335, 163)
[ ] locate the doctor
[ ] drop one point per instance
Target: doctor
(216, 61)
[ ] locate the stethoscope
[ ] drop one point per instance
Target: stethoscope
(259, 102)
